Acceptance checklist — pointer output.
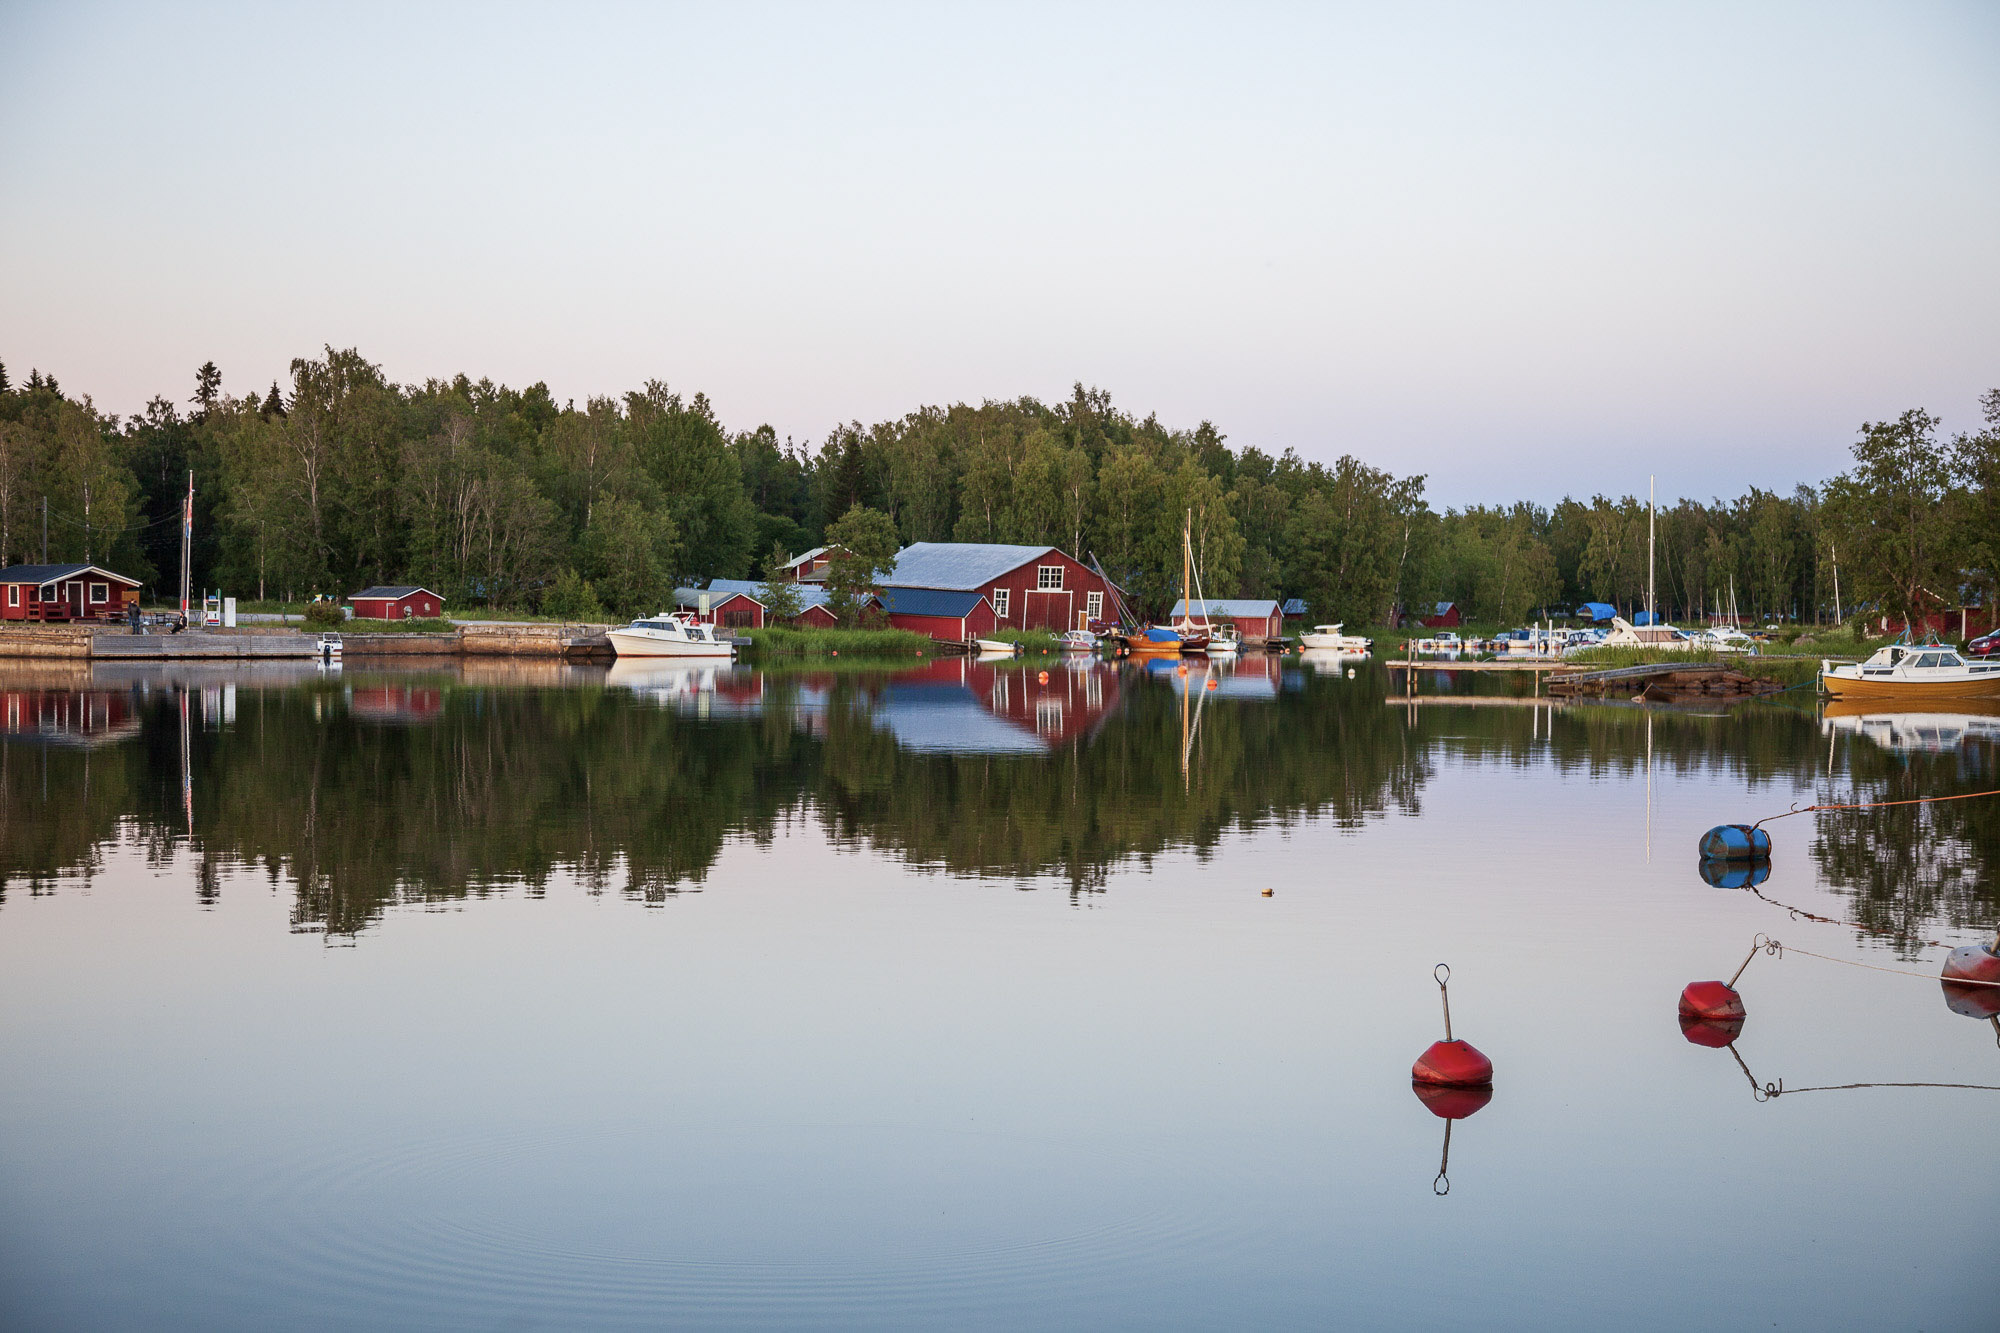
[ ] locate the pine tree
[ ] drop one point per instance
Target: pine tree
(207, 386)
(34, 379)
(274, 406)
(5, 383)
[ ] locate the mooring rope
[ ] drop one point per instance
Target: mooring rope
(1873, 805)
(1771, 946)
(1779, 1089)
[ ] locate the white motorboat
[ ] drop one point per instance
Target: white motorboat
(1331, 637)
(1904, 672)
(1079, 641)
(1727, 639)
(669, 634)
(1624, 634)
(995, 647)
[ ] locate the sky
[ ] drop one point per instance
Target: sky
(1527, 251)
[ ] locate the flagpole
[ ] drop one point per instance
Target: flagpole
(187, 542)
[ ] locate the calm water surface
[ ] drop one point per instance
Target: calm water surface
(526, 996)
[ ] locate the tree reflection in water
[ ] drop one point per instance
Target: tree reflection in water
(375, 788)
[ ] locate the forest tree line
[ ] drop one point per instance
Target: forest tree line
(503, 498)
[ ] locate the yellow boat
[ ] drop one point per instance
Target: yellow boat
(1902, 673)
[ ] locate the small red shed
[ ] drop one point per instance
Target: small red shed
(949, 617)
(1446, 616)
(64, 592)
(731, 604)
(397, 603)
(1258, 620)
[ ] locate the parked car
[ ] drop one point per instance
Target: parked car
(1986, 645)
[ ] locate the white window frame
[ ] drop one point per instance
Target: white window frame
(100, 593)
(1001, 598)
(13, 594)
(1048, 578)
(1093, 605)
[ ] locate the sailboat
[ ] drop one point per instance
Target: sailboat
(1205, 638)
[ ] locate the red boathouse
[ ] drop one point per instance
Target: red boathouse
(397, 603)
(1024, 587)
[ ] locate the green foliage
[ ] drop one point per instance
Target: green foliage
(863, 548)
(1892, 515)
(572, 597)
(324, 613)
(781, 598)
(339, 478)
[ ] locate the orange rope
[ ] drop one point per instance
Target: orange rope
(1873, 805)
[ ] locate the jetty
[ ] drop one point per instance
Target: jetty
(574, 643)
(1662, 682)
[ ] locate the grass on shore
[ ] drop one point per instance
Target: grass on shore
(784, 641)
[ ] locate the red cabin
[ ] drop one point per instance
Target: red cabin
(1446, 616)
(397, 604)
(1256, 619)
(1023, 587)
(58, 593)
(730, 605)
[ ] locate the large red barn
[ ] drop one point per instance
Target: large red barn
(1023, 587)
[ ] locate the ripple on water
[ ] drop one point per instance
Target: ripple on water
(627, 1222)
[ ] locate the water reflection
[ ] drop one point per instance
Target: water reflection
(370, 787)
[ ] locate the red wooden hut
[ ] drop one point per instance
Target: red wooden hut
(64, 592)
(396, 603)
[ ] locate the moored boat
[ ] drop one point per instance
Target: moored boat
(1914, 673)
(1079, 641)
(1330, 636)
(669, 634)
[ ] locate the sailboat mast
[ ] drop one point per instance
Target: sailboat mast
(1652, 606)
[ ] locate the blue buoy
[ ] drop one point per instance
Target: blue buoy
(1735, 842)
(1735, 874)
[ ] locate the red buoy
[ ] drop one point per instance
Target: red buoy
(1711, 1000)
(1714, 1033)
(1453, 1064)
(1972, 1001)
(1449, 1063)
(1042, 677)
(1452, 1103)
(1974, 962)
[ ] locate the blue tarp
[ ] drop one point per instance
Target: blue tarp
(1597, 611)
(1158, 635)
(1645, 618)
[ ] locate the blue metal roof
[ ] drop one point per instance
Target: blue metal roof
(957, 565)
(691, 597)
(1295, 606)
(1247, 608)
(929, 602)
(809, 594)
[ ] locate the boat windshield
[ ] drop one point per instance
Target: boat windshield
(1929, 660)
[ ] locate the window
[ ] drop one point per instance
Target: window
(13, 594)
(1048, 578)
(1093, 605)
(1000, 596)
(99, 592)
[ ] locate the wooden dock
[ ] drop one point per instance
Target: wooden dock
(1545, 664)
